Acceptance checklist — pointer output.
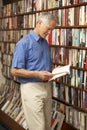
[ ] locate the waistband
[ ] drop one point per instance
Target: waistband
(37, 82)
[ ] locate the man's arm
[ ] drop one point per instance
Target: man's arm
(43, 75)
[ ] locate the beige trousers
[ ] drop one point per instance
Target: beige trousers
(36, 101)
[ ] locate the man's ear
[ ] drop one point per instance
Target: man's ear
(39, 22)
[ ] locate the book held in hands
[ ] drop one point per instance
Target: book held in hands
(60, 71)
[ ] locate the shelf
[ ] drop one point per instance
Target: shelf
(67, 127)
(9, 122)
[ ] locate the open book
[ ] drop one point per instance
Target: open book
(60, 71)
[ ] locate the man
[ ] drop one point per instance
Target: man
(32, 65)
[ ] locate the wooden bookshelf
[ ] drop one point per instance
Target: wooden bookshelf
(66, 126)
(9, 122)
(11, 31)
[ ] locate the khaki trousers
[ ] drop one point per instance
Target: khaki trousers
(36, 101)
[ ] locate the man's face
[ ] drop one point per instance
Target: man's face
(44, 30)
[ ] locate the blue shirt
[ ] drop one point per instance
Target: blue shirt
(31, 53)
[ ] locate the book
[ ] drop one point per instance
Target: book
(60, 71)
(4, 107)
(57, 120)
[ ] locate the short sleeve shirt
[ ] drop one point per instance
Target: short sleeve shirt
(31, 53)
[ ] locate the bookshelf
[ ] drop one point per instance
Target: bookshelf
(71, 48)
(9, 122)
(68, 45)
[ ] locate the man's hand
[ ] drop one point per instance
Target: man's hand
(45, 75)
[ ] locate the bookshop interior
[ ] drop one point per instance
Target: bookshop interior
(67, 46)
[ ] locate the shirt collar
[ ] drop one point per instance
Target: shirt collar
(34, 35)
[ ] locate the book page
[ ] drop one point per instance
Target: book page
(60, 71)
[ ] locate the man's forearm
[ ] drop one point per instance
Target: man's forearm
(23, 73)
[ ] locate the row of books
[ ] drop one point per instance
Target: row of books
(6, 59)
(6, 71)
(70, 95)
(60, 3)
(24, 6)
(12, 35)
(76, 118)
(7, 48)
(17, 7)
(74, 57)
(77, 78)
(72, 116)
(65, 37)
(71, 16)
(18, 22)
(65, 17)
(68, 37)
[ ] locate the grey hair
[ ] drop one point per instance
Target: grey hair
(46, 17)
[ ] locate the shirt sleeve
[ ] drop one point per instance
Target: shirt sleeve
(18, 60)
